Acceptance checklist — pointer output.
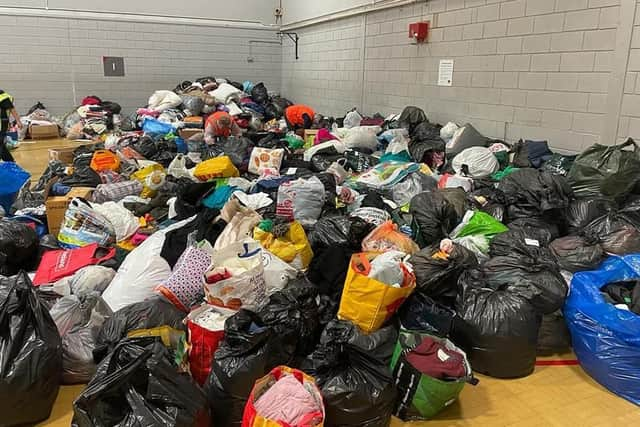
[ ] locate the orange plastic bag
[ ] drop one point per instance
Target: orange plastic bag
(386, 237)
(367, 302)
(104, 160)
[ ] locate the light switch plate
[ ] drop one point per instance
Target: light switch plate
(113, 66)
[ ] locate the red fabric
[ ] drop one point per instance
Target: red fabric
(571, 362)
(426, 358)
(218, 130)
(204, 344)
(91, 100)
(56, 265)
(294, 114)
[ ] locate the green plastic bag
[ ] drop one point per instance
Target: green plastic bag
(421, 396)
(478, 223)
(606, 171)
(497, 176)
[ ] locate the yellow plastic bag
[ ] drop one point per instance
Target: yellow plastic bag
(292, 248)
(151, 178)
(367, 302)
(218, 167)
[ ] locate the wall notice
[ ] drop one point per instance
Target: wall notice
(445, 73)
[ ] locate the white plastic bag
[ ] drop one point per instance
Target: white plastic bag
(277, 273)
(124, 222)
(265, 158)
(178, 167)
(142, 270)
(361, 137)
(352, 119)
(388, 268)
(476, 162)
(246, 288)
(447, 132)
(163, 100)
(89, 279)
(240, 227)
(301, 199)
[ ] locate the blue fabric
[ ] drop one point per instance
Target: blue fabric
(218, 198)
(12, 178)
(182, 146)
(606, 339)
(152, 126)
(538, 152)
(402, 156)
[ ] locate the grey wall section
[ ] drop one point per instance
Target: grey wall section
(523, 68)
(54, 60)
(239, 10)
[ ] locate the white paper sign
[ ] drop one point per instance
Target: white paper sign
(445, 72)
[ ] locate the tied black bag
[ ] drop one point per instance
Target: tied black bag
(31, 357)
(138, 384)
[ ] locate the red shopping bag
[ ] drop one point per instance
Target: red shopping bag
(58, 264)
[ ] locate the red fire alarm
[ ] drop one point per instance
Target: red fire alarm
(419, 31)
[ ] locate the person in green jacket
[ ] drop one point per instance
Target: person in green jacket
(6, 109)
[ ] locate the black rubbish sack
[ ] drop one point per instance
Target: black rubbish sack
(138, 384)
(151, 313)
(531, 193)
(237, 148)
(259, 94)
(618, 232)
(245, 354)
(419, 149)
(465, 137)
(577, 253)
(434, 215)
(352, 371)
(293, 316)
(329, 267)
(535, 277)
(554, 336)
(559, 164)
(31, 356)
(581, 212)
(606, 171)
(79, 320)
(82, 176)
(410, 118)
(18, 247)
(421, 313)
(437, 277)
(329, 231)
(521, 239)
(497, 328)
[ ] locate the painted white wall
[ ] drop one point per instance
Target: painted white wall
(237, 10)
(297, 10)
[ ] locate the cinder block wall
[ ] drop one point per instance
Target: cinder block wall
(55, 60)
(523, 68)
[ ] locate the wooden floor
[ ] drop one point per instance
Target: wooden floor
(563, 396)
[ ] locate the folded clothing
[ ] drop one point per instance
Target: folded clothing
(436, 360)
(288, 401)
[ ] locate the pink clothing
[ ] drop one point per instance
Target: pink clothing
(323, 135)
(288, 401)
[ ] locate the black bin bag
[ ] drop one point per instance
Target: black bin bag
(18, 247)
(353, 373)
(31, 359)
(438, 278)
(421, 313)
(577, 253)
(138, 384)
(606, 171)
(554, 335)
(151, 313)
(435, 214)
(520, 238)
(581, 212)
(497, 328)
(245, 354)
(618, 232)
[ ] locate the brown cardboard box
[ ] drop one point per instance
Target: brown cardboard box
(57, 206)
(44, 131)
(188, 133)
(63, 155)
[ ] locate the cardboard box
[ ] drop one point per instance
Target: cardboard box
(63, 155)
(44, 131)
(309, 137)
(57, 206)
(188, 133)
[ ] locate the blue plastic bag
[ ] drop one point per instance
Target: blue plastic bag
(605, 338)
(152, 126)
(182, 146)
(12, 178)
